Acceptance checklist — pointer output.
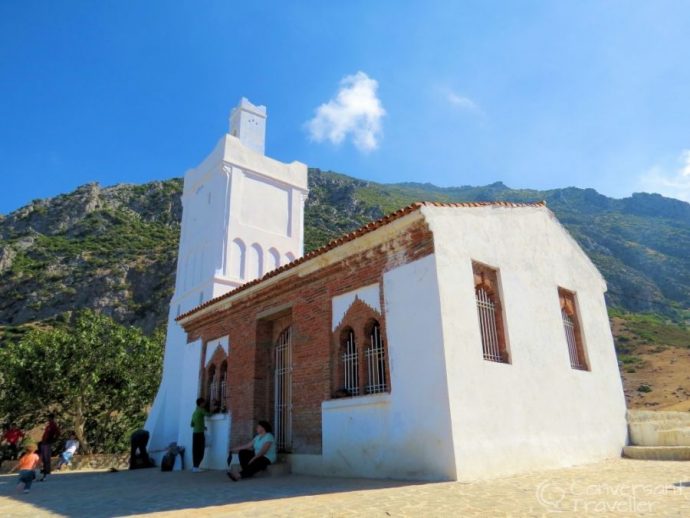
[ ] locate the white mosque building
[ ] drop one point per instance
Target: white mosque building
(442, 342)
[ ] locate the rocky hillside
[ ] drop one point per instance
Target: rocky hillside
(114, 249)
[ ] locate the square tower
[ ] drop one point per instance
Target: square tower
(248, 123)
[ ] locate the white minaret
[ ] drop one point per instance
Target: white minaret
(243, 215)
(248, 123)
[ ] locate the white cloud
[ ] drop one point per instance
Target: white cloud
(461, 102)
(355, 111)
(674, 183)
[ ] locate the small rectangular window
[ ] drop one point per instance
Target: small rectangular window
(490, 313)
(572, 328)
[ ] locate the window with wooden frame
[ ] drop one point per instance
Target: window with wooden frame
(573, 329)
(490, 313)
(376, 360)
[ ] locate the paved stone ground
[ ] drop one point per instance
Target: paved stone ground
(620, 487)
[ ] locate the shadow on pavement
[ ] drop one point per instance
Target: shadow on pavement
(105, 494)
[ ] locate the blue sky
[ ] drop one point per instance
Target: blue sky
(534, 94)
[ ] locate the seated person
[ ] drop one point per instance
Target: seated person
(257, 454)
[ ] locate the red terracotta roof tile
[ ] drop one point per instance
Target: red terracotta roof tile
(345, 238)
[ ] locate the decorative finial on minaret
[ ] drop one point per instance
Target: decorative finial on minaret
(248, 123)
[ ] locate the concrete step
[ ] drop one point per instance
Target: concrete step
(650, 428)
(657, 452)
(278, 469)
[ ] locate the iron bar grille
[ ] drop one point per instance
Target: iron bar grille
(576, 361)
(376, 363)
(351, 365)
(283, 391)
(486, 310)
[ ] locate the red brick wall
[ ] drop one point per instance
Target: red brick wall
(250, 361)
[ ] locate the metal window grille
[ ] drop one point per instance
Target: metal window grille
(486, 310)
(283, 391)
(223, 390)
(211, 388)
(576, 361)
(376, 363)
(351, 365)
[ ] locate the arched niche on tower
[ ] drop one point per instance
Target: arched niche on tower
(237, 259)
(255, 258)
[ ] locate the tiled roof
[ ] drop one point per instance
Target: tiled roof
(345, 238)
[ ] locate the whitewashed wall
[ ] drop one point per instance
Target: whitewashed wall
(405, 434)
(536, 412)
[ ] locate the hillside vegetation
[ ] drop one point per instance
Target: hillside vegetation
(114, 250)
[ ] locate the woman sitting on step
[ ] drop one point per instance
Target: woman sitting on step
(257, 454)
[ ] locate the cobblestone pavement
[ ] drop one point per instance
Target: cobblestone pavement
(617, 488)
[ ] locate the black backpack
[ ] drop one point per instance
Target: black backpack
(168, 462)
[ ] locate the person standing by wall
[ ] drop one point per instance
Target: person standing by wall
(198, 437)
(50, 435)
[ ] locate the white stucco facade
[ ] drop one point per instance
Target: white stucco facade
(404, 433)
(537, 411)
(445, 412)
(242, 217)
(452, 415)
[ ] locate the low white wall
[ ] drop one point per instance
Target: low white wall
(404, 434)
(217, 441)
(536, 412)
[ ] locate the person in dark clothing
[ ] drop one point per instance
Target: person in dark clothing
(139, 457)
(50, 435)
(257, 454)
(198, 437)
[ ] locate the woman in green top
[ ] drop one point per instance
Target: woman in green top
(198, 437)
(257, 454)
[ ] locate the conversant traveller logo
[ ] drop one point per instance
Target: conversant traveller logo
(624, 499)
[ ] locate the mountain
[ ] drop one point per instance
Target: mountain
(114, 249)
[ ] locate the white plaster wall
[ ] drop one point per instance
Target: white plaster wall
(405, 434)
(536, 412)
(214, 199)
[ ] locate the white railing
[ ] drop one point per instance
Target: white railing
(576, 362)
(351, 365)
(486, 310)
(376, 363)
(283, 391)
